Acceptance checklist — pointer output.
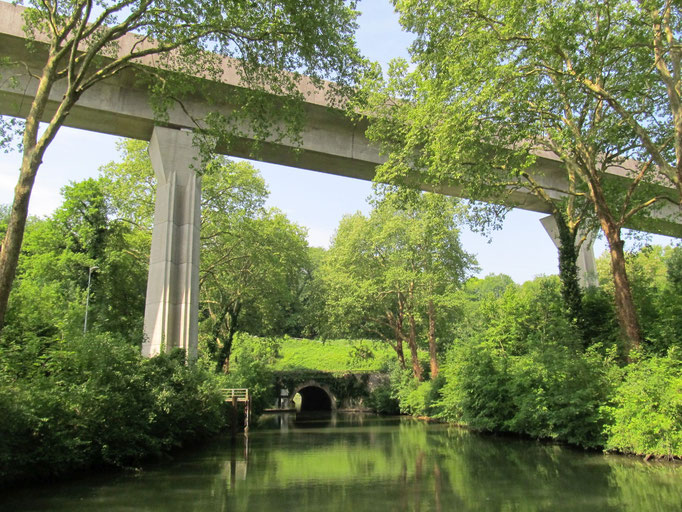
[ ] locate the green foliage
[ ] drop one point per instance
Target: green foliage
(251, 367)
(557, 394)
(48, 298)
(519, 366)
(382, 401)
(389, 275)
(414, 397)
(255, 271)
(95, 401)
(655, 274)
(331, 355)
(554, 393)
(266, 44)
(476, 392)
(492, 85)
(647, 408)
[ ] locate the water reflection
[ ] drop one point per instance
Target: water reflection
(339, 462)
(314, 419)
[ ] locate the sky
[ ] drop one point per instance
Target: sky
(317, 201)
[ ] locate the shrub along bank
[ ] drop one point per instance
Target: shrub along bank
(517, 365)
(94, 401)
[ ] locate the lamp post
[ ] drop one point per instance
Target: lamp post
(87, 298)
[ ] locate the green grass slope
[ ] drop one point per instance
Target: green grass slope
(333, 355)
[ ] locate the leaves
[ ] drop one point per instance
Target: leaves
(384, 270)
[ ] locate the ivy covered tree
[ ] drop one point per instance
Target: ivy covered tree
(83, 43)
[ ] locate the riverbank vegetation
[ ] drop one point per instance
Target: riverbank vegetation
(92, 400)
(484, 352)
(517, 365)
(491, 89)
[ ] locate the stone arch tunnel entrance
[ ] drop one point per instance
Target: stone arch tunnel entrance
(314, 397)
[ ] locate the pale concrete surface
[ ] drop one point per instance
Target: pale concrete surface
(172, 307)
(329, 143)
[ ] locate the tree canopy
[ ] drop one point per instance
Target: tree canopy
(273, 42)
(252, 257)
(494, 84)
(393, 275)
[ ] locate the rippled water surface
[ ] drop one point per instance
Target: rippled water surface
(358, 462)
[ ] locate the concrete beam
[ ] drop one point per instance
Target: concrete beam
(329, 143)
(172, 308)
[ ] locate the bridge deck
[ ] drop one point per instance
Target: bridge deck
(330, 142)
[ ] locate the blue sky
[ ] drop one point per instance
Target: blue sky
(317, 201)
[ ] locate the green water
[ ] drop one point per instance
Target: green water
(357, 463)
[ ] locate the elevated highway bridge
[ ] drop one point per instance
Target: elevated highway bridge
(329, 142)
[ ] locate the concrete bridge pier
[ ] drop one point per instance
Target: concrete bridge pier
(587, 266)
(171, 311)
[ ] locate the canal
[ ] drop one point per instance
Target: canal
(352, 462)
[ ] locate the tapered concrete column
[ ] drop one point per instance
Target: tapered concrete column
(172, 308)
(587, 266)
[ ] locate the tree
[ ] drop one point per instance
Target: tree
(252, 257)
(306, 318)
(495, 84)
(648, 100)
(273, 41)
(394, 274)
(655, 273)
(249, 277)
(49, 296)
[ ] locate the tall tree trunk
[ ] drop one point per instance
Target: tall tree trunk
(11, 244)
(399, 336)
(412, 343)
(625, 305)
(433, 357)
(33, 151)
(399, 351)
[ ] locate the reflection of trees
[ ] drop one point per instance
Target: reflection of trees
(408, 466)
(637, 484)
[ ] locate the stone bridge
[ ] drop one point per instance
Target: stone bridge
(324, 391)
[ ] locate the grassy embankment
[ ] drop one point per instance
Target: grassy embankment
(335, 356)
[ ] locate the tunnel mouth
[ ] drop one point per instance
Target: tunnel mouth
(315, 399)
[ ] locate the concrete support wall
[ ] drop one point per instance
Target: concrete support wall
(587, 265)
(172, 307)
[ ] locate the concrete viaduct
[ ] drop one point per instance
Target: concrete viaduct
(329, 143)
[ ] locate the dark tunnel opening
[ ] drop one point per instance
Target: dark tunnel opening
(314, 399)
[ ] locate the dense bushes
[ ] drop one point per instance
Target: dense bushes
(555, 393)
(647, 412)
(95, 401)
(251, 367)
(517, 365)
(382, 401)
